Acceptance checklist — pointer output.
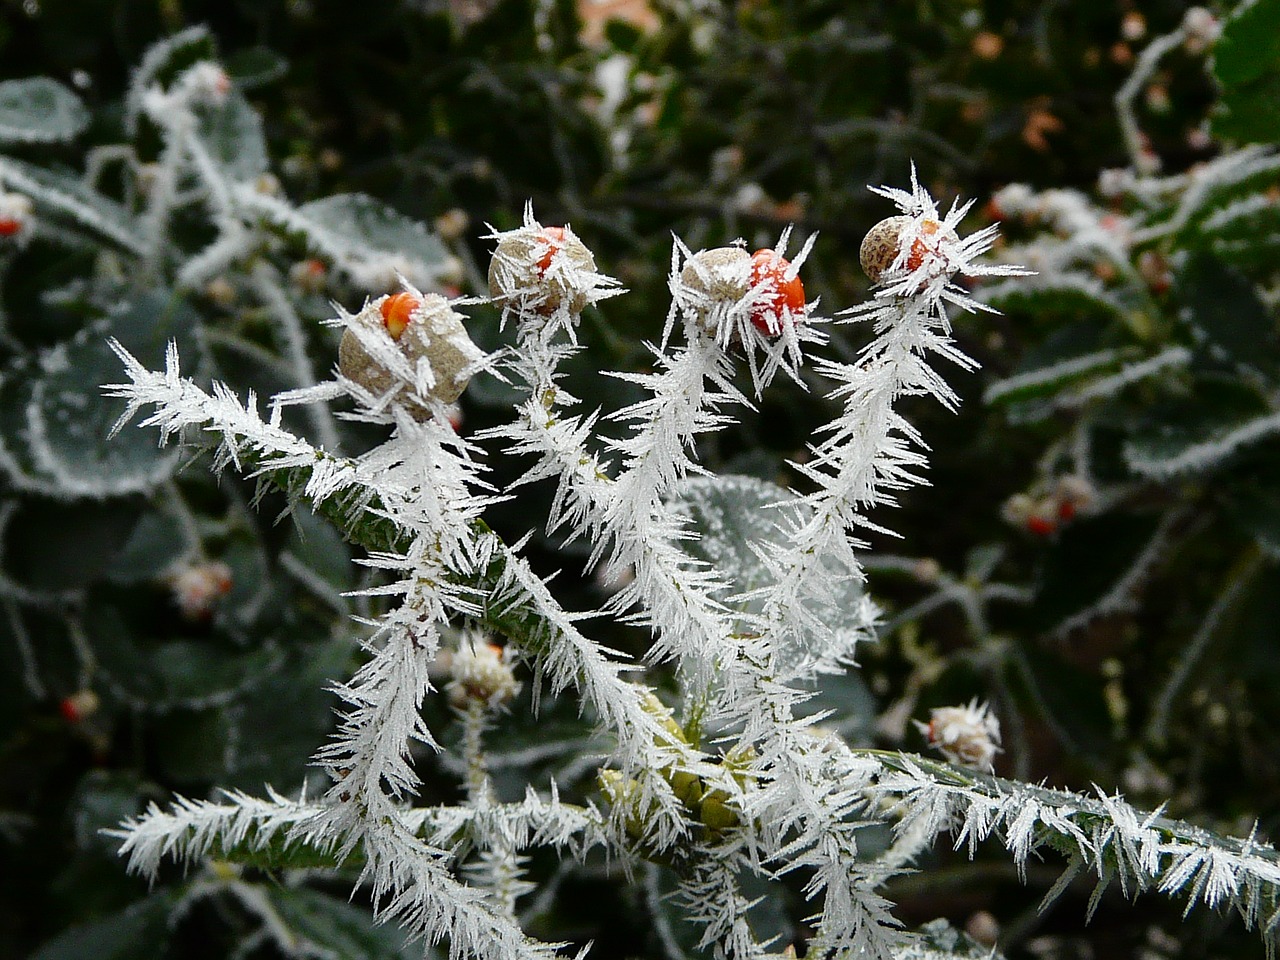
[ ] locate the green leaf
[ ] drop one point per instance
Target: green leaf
(1247, 64)
(1198, 434)
(340, 929)
(141, 930)
(53, 545)
(16, 459)
(255, 66)
(287, 718)
(40, 110)
(232, 134)
(1249, 45)
(103, 800)
(174, 673)
(195, 746)
(1227, 319)
(156, 544)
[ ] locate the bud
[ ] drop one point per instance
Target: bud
(452, 224)
(206, 83)
(480, 674)
(309, 276)
(197, 587)
(883, 244)
(968, 736)
(17, 220)
(79, 706)
(1201, 28)
(543, 269)
(422, 327)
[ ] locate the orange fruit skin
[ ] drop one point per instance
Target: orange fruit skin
(919, 249)
(787, 300)
(554, 238)
(397, 311)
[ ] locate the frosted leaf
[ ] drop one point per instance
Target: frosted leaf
(16, 459)
(232, 133)
(728, 513)
(61, 194)
(360, 228)
(68, 424)
(39, 110)
(1172, 449)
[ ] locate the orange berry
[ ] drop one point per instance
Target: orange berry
(553, 237)
(397, 310)
(9, 227)
(784, 296)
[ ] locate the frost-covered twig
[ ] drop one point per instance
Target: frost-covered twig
(1100, 834)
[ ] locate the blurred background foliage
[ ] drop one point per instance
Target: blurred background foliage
(1123, 626)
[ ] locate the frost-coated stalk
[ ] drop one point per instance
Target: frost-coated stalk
(870, 451)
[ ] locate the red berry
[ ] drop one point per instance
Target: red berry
(784, 298)
(1041, 526)
(553, 237)
(1066, 510)
(78, 706)
(397, 310)
(9, 227)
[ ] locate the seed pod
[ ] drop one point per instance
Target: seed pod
(542, 267)
(420, 328)
(883, 242)
(722, 273)
(880, 246)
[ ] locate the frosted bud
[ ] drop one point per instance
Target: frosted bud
(452, 224)
(1073, 493)
(422, 328)
(1201, 27)
(1114, 183)
(714, 278)
(885, 241)
(1014, 200)
(206, 82)
(480, 674)
(968, 736)
(309, 276)
(17, 219)
(543, 269)
(197, 587)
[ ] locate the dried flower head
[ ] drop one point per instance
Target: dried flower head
(480, 673)
(968, 735)
(197, 587)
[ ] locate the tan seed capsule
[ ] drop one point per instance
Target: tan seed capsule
(882, 243)
(521, 269)
(428, 328)
(880, 246)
